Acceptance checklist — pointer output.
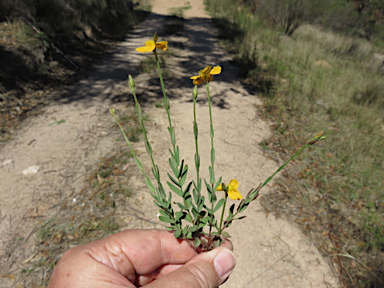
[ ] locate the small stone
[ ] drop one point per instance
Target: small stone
(31, 170)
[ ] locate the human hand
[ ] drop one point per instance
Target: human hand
(137, 258)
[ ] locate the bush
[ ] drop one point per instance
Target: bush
(288, 14)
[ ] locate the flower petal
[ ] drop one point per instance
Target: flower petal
(150, 45)
(215, 70)
(195, 77)
(143, 49)
(233, 185)
(205, 70)
(234, 194)
(208, 78)
(197, 81)
(163, 45)
(220, 188)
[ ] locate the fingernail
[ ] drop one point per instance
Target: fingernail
(224, 263)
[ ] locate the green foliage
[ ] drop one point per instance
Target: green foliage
(291, 14)
(33, 30)
(363, 18)
(58, 18)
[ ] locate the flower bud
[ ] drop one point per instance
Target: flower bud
(155, 37)
(131, 82)
(195, 92)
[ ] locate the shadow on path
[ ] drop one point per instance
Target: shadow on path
(195, 47)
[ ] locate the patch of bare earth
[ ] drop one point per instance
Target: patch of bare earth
(270, 252)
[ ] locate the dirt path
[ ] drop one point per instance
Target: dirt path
(270, 252)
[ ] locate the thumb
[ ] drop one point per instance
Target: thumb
(207, 270)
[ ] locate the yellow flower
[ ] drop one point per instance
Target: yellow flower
(151, 45)
(206, 75)
(232, 190)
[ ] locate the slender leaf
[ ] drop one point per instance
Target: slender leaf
(212, 155)
(225, 235)
(177, 155)
(211, 176)
(193, 229)
(158, 204)
(201, 206)
(185, 230)
(179, 215)
(174, 180)
(173, 167)
(227, 223)
(166, 220)
(188, 187)
(243, 208)
(209, 210)
(188, 202)
(181, 206)
(165, 214)
(150, 185)
(202, 199)
(218, 205)
(197, 242)
(231, 209)
(148, 147)
(179, 175)
(138, 163)
(209, 190)
(195, 196)
(195, 213)
(217, 184)
(197, 161)
(170, 129)
(175, 189)
(195, 130)
(170, 197)
(177, 233)
(188, 218)
(184, 176)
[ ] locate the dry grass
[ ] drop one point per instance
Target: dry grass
(317, 81)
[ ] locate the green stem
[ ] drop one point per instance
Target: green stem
(222, 212)
(171, 131)
(195, 131)
(212, 153)
(166, 103)
(282, 166)
(211, 129)
(148, 181)
(148, 145)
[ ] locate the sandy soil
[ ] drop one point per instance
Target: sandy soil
(270, 252)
